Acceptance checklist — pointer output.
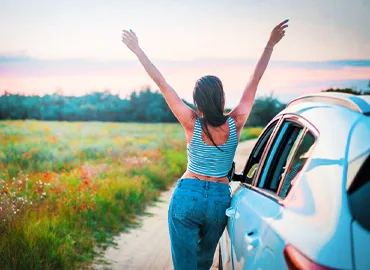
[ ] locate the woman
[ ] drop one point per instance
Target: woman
(196, 215)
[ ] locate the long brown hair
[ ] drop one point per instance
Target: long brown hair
(209, 99)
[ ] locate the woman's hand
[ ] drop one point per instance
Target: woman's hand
(277, 34)
(131, 41)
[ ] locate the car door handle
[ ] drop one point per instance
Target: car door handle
(251, 239)
(231, 213)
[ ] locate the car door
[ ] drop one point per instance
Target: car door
(259, 203)
(254, 160)
(359, 198)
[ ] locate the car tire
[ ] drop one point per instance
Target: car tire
(219, 259)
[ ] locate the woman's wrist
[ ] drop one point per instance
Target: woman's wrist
(138, 51)
(269, 46)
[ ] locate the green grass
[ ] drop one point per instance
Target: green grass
(67, 188)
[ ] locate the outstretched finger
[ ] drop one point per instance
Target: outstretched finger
(133, 33)
(125, 39)
(126, 36)
(282, 23)
(127, 32)
(284, 26)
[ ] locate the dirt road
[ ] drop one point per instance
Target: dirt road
(147, 247)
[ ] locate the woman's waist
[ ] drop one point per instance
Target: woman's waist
(192, 175)
(193, 187)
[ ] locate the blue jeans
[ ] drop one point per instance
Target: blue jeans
(196, 221)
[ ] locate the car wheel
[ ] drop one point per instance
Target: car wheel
(219, 258)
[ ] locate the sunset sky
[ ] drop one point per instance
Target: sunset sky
(76, 46)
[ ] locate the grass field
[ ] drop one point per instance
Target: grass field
(66, 188)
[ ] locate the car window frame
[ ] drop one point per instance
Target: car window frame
(275, 121)
(308, 127)
(269, 159)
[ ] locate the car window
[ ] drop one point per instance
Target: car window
(252, 165)
(298, 159)
(285, 158)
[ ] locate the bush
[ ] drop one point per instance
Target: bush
(250, 133)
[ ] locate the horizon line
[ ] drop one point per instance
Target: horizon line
(351, 61)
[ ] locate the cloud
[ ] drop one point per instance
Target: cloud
(25, 66)
(77, 76)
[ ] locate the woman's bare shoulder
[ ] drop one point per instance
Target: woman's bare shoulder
(189, 126)
(239, 121)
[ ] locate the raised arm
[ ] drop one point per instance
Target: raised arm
(182, 112)
(242, 110)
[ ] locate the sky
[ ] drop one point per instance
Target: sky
(75, 47)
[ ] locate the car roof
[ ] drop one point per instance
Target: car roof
(356, 103)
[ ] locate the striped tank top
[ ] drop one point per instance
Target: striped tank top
(206, 159)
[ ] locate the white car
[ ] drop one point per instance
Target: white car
(303, 200)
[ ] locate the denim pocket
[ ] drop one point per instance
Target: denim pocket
(183, 206)
(220, 210)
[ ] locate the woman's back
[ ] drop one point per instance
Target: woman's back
(220, 134)
(207, 159)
